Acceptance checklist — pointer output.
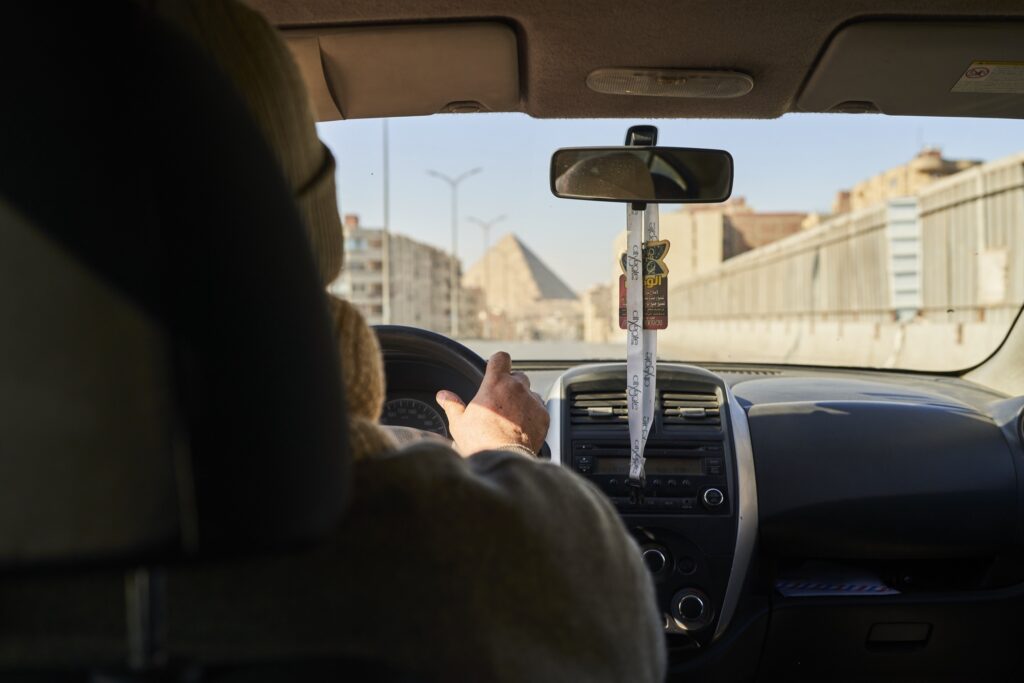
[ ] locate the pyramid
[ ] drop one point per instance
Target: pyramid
(514, 279)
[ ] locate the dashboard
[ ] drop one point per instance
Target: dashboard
(870, 520)
(415, 410)
(796, 518)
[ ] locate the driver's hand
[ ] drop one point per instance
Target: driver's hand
(504, 413)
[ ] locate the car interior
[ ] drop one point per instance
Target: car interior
(799, 522)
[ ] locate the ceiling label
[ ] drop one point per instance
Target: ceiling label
(993, 78)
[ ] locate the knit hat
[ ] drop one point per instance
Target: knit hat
(252, 54)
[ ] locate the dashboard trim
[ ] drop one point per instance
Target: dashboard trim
(555, 399)
(746, 511)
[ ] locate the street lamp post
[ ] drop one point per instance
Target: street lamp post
(486, 227)
(454, 268)
(386, 232)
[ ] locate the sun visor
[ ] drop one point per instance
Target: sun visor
(963, 68)
(408, 70)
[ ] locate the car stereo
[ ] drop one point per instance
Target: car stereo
(680, 477)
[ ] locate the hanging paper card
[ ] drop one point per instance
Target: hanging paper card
(655, 285)
(655, 276)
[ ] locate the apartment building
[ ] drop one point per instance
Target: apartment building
(418, 281)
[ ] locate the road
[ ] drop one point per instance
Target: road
(548, 350)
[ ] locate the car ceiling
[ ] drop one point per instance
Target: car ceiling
(560, 43)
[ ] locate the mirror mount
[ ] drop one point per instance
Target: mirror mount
(641, 136)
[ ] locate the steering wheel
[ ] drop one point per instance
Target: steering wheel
(399, 342)
(420, 362)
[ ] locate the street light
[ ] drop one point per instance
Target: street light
(385, 308)
(454, 271)
(486, 227)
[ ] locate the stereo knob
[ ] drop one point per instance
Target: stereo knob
(713, 498)
(655, 559)
(691, 607)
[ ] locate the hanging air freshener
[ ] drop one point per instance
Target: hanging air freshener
(642, 175)
(655, 278)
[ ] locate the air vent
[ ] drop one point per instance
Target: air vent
(599, 407)
(690, 408)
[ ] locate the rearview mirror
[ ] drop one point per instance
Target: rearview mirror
(669, 175)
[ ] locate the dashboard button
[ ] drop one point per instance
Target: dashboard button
(584, 463)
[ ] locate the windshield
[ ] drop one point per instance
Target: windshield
(851, 240)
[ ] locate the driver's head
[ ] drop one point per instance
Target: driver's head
(252, 54)
(250, 51)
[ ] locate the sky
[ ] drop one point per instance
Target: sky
(795, 163)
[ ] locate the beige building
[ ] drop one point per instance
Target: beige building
(705, 235)
(523, 299)
(901, 181)
(599, 320)
(745, 229)
(362, 278)
(418, 278)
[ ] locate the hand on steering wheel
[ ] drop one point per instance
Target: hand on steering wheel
(504, 413)
(464, 368)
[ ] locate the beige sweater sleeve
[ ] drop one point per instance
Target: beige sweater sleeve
(496, 567)
(511, 569)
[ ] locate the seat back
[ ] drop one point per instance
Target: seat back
(169, 381)
(169, 385)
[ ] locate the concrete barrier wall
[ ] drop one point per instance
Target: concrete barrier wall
(840, 265)
(972, 237)
(827, 295)
(921, 345)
